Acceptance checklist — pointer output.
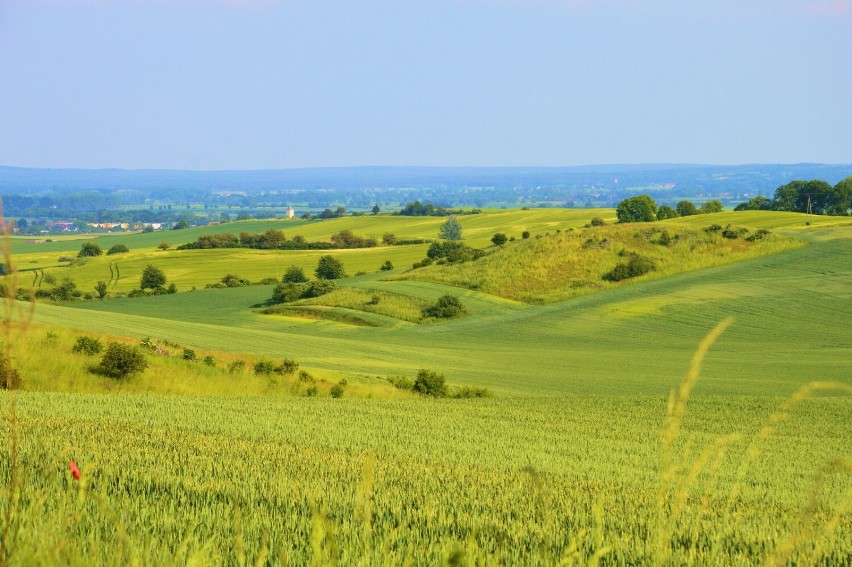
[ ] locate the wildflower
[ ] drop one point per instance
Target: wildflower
(75, 472)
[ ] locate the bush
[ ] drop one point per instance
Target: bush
(264, 367)
(10, 378)
(319, 287)
(758, 235)
(499, 239)
(236, 366)
(121, 360)
(189, 354)
(387, 266)
(636, 266)
(641, 208)
(89, 249)
(388, 239)
(402, 382)
(446, 307)
(430, 383)
(734, 233)
(87, 345)
(152, 277)
(312, 391)
(525, 234)
(597, 221)
(294, 274)
(336, 391)
(209, 360)
(666, 212)
(118, 249)
(707, 207)
(686, 208)
(288, 366)
(163, 246)
(305, 376)
(329, 268)
(288, 292)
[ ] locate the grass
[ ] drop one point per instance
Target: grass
(577, 458)
(560, 266)
(392, 305)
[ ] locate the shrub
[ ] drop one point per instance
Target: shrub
(401, 382)
(152, 277)
(236, 366)
(264, 367)
(288, 366)
(319, 287)
(288, 292)
(387, 266)
(446, 307)
(666, 212)
(87, 345)
(758, 235)
(636, 266)
(118, 249)
(121, 360)
(713, 228)
(336, 391)
(10, 378)
(388, 239)
(294, 274)
(209, 360)
(329, 268)
(525, 234)
(466, 392)
(101, 289)
(641, 208)
(499, 239)
(189, 354)
(163, 246)
(734, 233)
(686, 208)
(305, 376)
(430, 383)
(89, 249)
(714, 206)
(312, 391)
(597, 221)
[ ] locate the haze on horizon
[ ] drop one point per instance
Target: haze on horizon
(261, 84)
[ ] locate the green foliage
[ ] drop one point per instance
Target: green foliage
(686, 208)
(446, 307)
(288, 292)
(181, 224)
(329, 268)
(101, 289)
(636, 266)
(89, 249)
(152, 278)
(758, 203)
(666, 212)
(236, 366)
(189, 354)
(118, 249)
(453, 251)
(264, 367)
(430, 383)
(499, 239)
(525, 234)
(389, 239)
(713, 206)
(121, 360)
(347, 239)
(336, 391)
(386, 266)
(597, 221)
(163, 246)
(288, 366)
(319, 288)
(294, 274)
(375, 210)
(233, 280)
(10, 378)
(87, 345)
(641, 208)
(209, 360)
(451, 229)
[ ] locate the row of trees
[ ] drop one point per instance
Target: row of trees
(643, 208)
(815, 197)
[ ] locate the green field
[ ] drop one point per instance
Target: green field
(566, 462)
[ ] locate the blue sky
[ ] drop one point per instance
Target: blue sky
(231, 84)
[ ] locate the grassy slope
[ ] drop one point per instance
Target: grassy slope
(793, 323)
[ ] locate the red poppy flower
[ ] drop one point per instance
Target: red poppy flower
(75, 472)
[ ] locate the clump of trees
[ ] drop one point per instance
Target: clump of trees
(418, 209)
(118, 249)
(642, 208)
(329, 268)
(432, 384)
(499, 239)
(289, 292)
(813, 197)
(89, 249)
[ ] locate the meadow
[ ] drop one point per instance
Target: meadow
(582, 455)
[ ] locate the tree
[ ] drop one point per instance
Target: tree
(376, 209)
(686, 208)
(525, 234)
(89, 249)
(101, 288)
(181, 224)
(294, 274)
(754, 204)
(152, 277)
(121, 360)
(707, 207)
(641, 208)
(389, 239)
(666, 212)
(841, 197)
(451, 229)
(430, 383)
(163, 246)
(329, 268)
(499, 239)
(148, 228)
(387, 266)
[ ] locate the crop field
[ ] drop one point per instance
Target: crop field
(602, 442)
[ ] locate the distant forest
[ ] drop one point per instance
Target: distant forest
(148, 196)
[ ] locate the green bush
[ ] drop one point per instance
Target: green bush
(636, 266)
(236, 366)
(401, 382)
(118, 249)
(10, 378)
(189, 354)
(320, 287)
(294, 274)
(329, 268)
(312, 391)
(430, 383)
(121, 360)
(87, 345)
(288, 292)
(446, 307)
(387, 266)
(209, 360)
(264, 367)
(499, 239)
(597, 221)
(288, 366)
(336, 391)
(89, 249)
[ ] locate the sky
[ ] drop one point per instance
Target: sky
(262, 84)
